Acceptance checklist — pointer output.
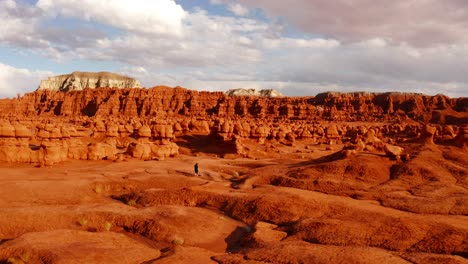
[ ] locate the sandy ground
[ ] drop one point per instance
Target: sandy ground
(300, 208)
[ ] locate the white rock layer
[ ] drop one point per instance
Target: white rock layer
(78, 81)
(253, 92)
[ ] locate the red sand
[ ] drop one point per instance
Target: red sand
(137, 211)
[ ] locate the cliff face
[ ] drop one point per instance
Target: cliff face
(78, 81)
(253, 92)
(47, 127)
(164, 101)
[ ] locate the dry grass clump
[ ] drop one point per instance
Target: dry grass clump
(107, 226)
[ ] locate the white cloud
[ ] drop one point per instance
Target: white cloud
(206, 41)
(15, 80)
(216, 2)
(205, 51)
(149, 16)
(367, 65)
(375, 42)
(238, 9)
(18, 23)
(297, 43)
(416, 22)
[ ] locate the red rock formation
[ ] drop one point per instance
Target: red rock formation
(143, 123)
(163, 101)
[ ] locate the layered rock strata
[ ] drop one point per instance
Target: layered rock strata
(77, 81)
(164, 101)
(254, 92)
(48, 127)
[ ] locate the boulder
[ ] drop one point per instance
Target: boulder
(54, 152)
(393, 151)
(200, 126)
(140, 151)
(144, 131)
(164, 151)
(161, 131)
(265, 233)
(99, 151)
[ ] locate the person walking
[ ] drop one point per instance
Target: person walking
(195, 168)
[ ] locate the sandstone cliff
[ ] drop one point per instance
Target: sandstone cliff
(164, 101)
(47, 127)
(78, 81)
(253, 92)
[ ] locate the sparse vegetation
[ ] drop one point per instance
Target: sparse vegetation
(98, 188)
(83, 222)
(178, 241)
(107, 226)
(131, 202)
(24, 257)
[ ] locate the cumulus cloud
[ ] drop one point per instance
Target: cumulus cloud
(15, 81)
(238, 9)
(206, 41)
(159, 42)
(18, 24)
(147, 78)
(298, 43)
(149, 16)
(416, 22)
(370, 66)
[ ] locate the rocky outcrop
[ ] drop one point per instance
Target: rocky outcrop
(253, 92)
(14, 143)
(47, 143)
(77, 81)
(162, 102)
(48, 127)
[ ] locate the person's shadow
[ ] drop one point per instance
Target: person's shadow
(188, 174)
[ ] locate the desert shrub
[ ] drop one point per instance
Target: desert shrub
(107, 226)
(83, 222)
(178, 240)
(24, 257)
(98, 188)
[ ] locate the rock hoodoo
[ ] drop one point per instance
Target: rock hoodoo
(77, 81)
(48, 127)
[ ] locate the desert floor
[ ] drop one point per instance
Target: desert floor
(302, 205)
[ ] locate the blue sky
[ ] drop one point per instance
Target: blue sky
(300, 47)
